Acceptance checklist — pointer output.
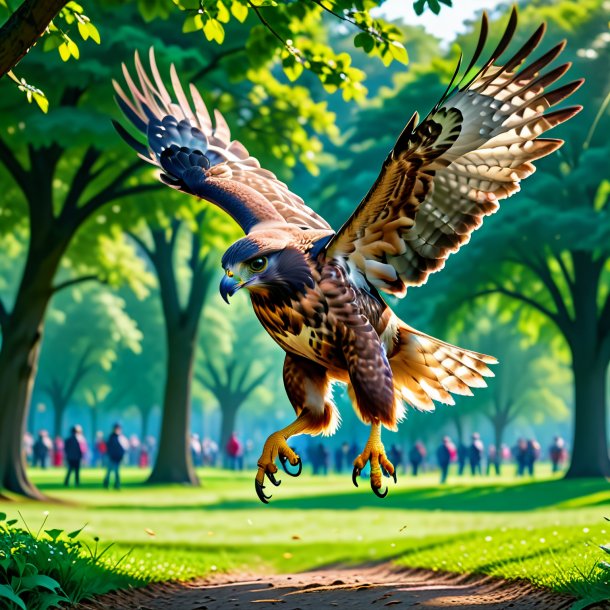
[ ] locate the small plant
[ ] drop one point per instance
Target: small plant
(43, 570)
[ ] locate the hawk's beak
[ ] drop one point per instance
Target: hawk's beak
(229, 286)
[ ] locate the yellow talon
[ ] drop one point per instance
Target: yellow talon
(374, 452)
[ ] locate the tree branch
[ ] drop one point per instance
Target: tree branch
(18, 172)
(23, 28)
(215, 62)
(75, 281)
(81, 179)
(4, 315)
(520, 297)
(143, 245)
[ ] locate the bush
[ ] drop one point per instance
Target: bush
(50, 568)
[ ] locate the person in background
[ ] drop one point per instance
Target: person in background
(396, 457)
(134, 450)
(339, 458)
(322, 458)
(493, 460)
(99, 449)
(116, 447)
(28, 448)
(532, 453)
(74, 449)
(445, 454)
(558, 453)
(475, 454)
(42, 448)
(520, 453)
(144, 459)
(58, 451)
(462, 457)
(196, 451)
(234, 451)
(417, 455)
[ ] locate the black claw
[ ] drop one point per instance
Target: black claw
(355, 473)
(284, 462)
(377, 492)
(260, 493)
(395, 477)
(273, 480)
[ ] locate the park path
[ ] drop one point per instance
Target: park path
(375, 586)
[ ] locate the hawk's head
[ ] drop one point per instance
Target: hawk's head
(264, 265)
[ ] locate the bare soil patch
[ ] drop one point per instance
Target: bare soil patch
(379, 586)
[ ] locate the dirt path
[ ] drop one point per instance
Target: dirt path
(378, 586)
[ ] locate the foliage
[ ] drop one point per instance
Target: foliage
(43, 570)
(434, 5)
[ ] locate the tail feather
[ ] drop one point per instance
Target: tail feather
(426, 369)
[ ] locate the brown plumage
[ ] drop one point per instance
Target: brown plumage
(316, 292)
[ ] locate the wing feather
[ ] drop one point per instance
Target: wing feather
(445, 174)
(198, 156)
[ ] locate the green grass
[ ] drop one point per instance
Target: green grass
(546, 530)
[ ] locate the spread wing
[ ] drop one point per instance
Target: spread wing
(200, 158)
(450, 171)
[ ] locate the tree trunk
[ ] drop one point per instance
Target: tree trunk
(19, 353)
(174, 463)
(589, 364)
(590, 445)
(23, 28)
(59, 410)
(228, 411)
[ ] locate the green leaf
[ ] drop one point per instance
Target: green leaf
(223, 13)
(94, 33)
(399, 53)
(239, 11)
(192, 23)
(7, 593)
(364, 41)
(213, 30)
(13, 521)
(75, 533)
(40, 580)
(2, 516)
(54, 534)
(419, 7)
(64, 51)
(83, 30)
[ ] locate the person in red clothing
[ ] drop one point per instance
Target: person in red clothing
(58, 451)
(235, 451)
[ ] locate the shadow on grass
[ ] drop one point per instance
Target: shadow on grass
(496, 497)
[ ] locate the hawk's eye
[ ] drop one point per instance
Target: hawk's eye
(258, 264)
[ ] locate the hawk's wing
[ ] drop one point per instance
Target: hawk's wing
(200, 158)
(445, 174)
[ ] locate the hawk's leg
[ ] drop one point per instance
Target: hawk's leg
(308, 388)
(374, 452)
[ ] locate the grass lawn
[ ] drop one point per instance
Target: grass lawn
(546, 530)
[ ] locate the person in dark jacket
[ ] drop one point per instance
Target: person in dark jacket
(475, 454)
(116, 446)
(73, 451)
(416, 457)
(41, 449)
(445, 454)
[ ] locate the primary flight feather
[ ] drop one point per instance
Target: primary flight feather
(317, 292)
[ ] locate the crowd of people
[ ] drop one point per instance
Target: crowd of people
(116, 449)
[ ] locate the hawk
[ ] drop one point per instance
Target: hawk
(318, 292)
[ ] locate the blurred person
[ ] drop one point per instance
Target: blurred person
(144, 459)
(395, 455)
(462, 457)
(532, 454)
(505, 453)
(41, 449)
(341, 457)
(209, 450)
(28, 448)
(75, 450)
(475, 454)
(134, 450)
(99, 449)
(493, 460)
(520, 452)
(117, 446)
(417, 455)
(234, 451)
(322, 458)
(445, 454)
(353, 453)
(58, 451)
(558, 453)
(196, 451)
